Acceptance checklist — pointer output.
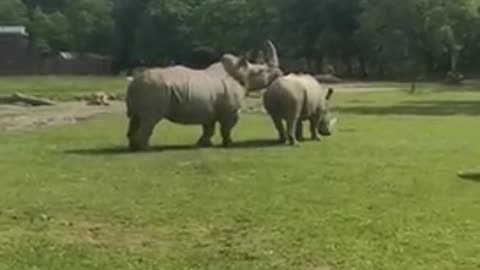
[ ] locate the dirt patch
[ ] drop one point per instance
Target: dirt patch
(27, 117)
(23, 117)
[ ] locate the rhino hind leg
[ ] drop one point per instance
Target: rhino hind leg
(299, 131)
(206, 139)
(133, 126)
(277, 121)
(291, 130)
(139, 140)
(226, 127)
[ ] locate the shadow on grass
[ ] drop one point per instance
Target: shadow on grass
(470, 175)
(123, 150)
(426, 108)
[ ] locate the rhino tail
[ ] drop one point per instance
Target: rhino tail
(128, 101)
(304, 109)
(329, 93)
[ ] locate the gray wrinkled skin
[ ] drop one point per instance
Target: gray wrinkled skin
(195, 97)
(295, 98)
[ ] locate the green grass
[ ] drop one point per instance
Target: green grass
(61, 87)
(381, 193)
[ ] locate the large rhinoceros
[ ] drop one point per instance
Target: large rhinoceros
(296, 98)
(195, 97)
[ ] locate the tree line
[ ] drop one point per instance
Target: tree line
(378, 39)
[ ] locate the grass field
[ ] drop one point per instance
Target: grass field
(381, 193)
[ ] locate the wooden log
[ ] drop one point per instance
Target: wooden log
(18, 97)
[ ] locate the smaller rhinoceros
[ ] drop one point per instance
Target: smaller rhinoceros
(296, 98)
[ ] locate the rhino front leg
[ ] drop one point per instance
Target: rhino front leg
(206, 138)
(226, 127)
(314, 121)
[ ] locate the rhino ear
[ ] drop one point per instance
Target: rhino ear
(243, 62)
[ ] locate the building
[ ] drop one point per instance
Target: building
(19, 57)
(15, 54)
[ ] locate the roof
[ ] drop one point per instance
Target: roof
(14, 29)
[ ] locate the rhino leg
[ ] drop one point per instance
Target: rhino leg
(291, 129)
(139, 140)
(133, 126)
(226, 127)
(314, 120)
(282, 138)
(206, 139)
(299, 131)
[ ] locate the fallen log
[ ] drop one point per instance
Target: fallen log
(33, 101)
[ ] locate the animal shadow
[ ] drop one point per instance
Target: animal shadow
(424, 107)
(475, 177)
(123, 150)
(258, 143)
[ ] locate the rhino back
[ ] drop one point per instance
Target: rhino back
(283, 97)
(314, 95)
(294, 93)
(183, 95)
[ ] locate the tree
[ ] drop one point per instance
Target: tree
(163, 35)
(13, 12)
(90, 25)
(49, 32)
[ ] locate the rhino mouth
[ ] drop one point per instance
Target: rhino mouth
(328, 128)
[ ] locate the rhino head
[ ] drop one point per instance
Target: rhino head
(254, 76)
(327, 121)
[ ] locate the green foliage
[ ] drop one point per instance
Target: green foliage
(90, 25)
(12, 12)
(49, 32)
(375, 38)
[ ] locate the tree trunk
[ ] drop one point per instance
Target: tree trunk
(453, 60)
(363, 68)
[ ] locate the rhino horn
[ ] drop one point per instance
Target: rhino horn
(272, 55)
(333, 121)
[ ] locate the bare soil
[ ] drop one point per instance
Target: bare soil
(15, 117)
(26, 117)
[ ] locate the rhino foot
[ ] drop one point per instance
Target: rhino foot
(137, 148)
(227, 144)
(204, 143)
(293, 143)
(300, 139)
(282, 140)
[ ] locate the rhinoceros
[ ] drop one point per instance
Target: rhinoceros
(195, 97)
(296, 98)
